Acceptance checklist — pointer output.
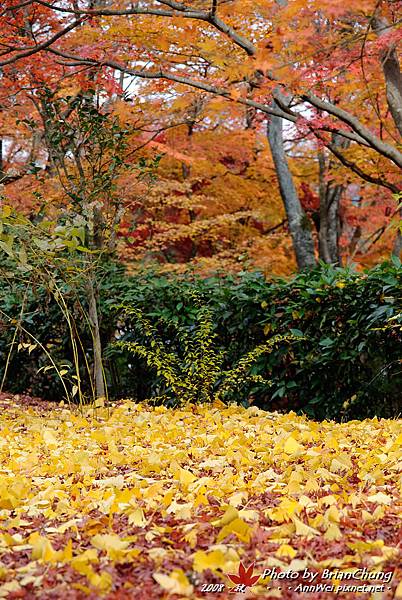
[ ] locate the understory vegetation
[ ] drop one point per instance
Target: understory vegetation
(339, 358)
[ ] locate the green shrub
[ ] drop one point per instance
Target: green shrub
(347, 366)
(194, 372)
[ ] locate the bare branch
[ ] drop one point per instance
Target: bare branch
(346, 134)
(42, 46)
(381, 147)
(178, 10)
(378, 145)
(16, 7)
(211, 17)
(76, 61)
(362, 174)
(109, 12)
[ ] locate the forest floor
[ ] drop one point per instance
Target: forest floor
(148, 503)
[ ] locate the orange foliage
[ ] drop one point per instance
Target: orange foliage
(196, 87)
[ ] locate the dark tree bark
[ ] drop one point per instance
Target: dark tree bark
(93, 314)
(392, 73)
(329, 230)
(393, 80)
(397, 248)
(330, 196)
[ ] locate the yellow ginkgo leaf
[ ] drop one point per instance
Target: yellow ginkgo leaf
(136, 517)
(303, 529)
(175, 583)
(186, 477)
(112, 544)
(102, 581)
(286, 551)
(333, 533)
(230, 514)
(42, 549)
(292, 446)
(215, 559)
(380, 498)
(237, 527)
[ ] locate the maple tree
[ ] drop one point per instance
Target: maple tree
(208, 201)
(252, 55)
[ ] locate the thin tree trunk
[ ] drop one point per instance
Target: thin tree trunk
(393, 80)
(397, 249)
(97, 343)
(299, 225)
(95, 242)
(392, 73)
(330, 226)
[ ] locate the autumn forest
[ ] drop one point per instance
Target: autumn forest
(200, 299)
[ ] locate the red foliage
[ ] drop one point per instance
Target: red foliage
(309, 200)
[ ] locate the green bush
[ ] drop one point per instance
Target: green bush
(29, 369)
(193, 372)
(348, 365)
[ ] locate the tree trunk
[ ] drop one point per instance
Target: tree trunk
(330, 225)
(392, 73)
(397, 249)
(95, 242)
(299, 225)
(393, 80)
(97, 343)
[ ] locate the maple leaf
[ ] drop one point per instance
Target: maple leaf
(245, 576)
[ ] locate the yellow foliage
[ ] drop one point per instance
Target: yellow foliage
(112, 544)
(171, 477)
(175, 583)
(292, 446)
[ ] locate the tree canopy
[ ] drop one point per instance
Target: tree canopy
(201, 83)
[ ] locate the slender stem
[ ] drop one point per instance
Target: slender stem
(35, 339)
(13, 341)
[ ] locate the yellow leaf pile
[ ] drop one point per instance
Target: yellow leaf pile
(153, 503)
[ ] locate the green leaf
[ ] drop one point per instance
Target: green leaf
(297, 332)
(42, 244)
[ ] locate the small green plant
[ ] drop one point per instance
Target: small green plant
(63, 249)
(44, 255)
(194, 371)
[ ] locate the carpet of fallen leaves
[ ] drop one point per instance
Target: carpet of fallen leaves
(153, 503)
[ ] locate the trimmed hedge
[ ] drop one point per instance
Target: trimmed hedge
(349, 365)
